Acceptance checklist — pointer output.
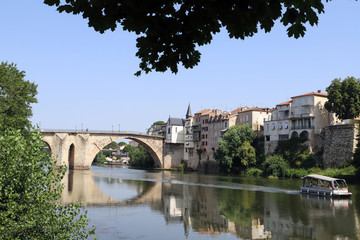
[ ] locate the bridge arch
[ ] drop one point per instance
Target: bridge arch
(100, 144)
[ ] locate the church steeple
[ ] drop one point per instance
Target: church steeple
(188, 113)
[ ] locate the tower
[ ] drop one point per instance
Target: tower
(188, 112)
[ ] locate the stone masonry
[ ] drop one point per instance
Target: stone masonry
(340, 144)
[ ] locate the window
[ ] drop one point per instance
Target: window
(168, 130)
(296, 112)
(310, 100)
(267, 127)
(280, 126)
(273, 126)
(286, 126)
(247, 118)
(225, 124)
(283, 137)
(267, 138)
(176, 129)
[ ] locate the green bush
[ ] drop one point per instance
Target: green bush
(347, 172)
(100, 158)
(253, 172)
(276, 166)
(297, 173)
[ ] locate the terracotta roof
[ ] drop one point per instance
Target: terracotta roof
(318, 93)
(204, 112)
(189, 118)
(257, 109)
(284, 103)
(238, 110)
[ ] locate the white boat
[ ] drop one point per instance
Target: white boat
(324, 186)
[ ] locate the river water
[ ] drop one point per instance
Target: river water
(138, 204)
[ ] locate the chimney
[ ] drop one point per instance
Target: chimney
(319, 91)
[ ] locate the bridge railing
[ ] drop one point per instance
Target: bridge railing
(92, 131)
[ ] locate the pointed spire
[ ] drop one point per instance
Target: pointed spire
(188, 113)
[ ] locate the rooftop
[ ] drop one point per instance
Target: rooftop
(284, 103)
(176, 121)
(318, 93)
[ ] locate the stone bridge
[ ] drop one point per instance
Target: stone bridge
(77, 149)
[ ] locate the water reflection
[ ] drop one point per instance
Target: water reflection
(205, 205)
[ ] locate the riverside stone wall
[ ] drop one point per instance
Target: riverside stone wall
(173, 154)
(340, 144)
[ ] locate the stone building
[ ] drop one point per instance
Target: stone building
(202, 132)
(305, 115)
(255, 117)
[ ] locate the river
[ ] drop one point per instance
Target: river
(139, 204)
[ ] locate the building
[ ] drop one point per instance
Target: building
(175, 130)
(277, 127)
(255, 117)
(308, 114)
(133, 143)
(155, 130)
(202, 132)
(303, 116)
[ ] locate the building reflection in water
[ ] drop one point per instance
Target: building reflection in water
(210, 210)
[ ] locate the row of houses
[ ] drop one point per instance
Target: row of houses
(303, 115)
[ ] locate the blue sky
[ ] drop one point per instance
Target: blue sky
(86, 78)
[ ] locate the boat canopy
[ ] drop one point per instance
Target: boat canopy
(321, 177)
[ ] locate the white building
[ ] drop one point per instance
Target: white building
(175, 130)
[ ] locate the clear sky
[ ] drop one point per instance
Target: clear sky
(86, 78)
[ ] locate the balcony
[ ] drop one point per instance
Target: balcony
(302, 127)
(307, 115)
(196, 138)
(188, 137)
(196, 128)
(303, 115)
(189, 145)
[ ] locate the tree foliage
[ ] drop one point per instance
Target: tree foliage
(170, 31)
(16, 97)
(234, 152)
(294, 151)
(100, 157)
(356, 157)
(344, 98)
(158, 123)
(128, 148)
(276, 166)
(139, 157)
(112, 145)
(30, 189)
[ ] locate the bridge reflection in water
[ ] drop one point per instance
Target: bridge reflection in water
(205, 204)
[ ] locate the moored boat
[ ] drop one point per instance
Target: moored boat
(324, 186)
